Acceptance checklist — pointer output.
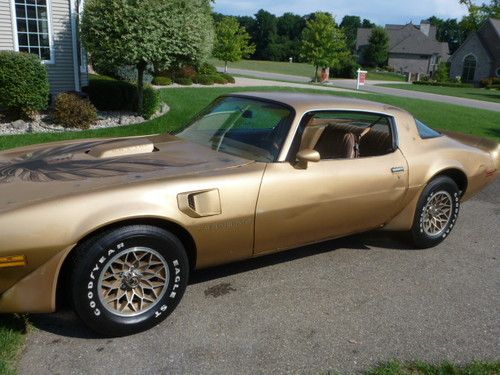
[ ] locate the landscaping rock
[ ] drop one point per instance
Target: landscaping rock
(20, 125)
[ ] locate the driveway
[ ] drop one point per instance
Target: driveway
(371, 86)
(341, 305)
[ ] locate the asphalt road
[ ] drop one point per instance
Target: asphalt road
(371, 86)
(341, 305)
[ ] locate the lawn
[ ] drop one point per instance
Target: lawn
(12, 330)
(296, 69)
(185, 102)
(461, 92)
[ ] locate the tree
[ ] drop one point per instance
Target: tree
(231, 41)
(367, 24)
(142, 32)
(478, 14)
(448, 31)
(323, 43)
(377, 51)
(350, 26)
(264, 32)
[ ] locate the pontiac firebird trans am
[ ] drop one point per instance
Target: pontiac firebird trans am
(116, 225)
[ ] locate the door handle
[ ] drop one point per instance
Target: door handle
(397, 169)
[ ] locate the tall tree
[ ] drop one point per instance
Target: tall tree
(264, 32)
(448, 31)
(377, 51)
(477, 14)
(367, 24)
(232, 42)
(350, 26)
(142, 32)
(323, 43)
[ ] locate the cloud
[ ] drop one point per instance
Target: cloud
(385, 11)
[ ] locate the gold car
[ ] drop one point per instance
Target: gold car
(116, 225)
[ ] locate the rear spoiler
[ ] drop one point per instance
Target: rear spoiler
(488, 145)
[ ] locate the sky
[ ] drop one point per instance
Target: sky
(379, 11)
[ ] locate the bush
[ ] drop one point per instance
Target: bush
(73, 111)
(207, 69)
(219, 78)
(204, 79)
(229, 78)
(24, 83)
(442, 73)
(490, 82)
(109, 94)
(161, 81)
(442, 84)
(152, 102)
(187, 71)
(346, 68)
(184, 81)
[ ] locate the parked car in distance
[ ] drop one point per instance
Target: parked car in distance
(116, 225)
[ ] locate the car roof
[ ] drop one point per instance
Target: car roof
(303, 102)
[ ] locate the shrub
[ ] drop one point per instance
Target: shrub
(490, 82)
(109, 94)
(152, 102)
(162, 81)
(442, 84)
(204, 79)
(24, 83)
(346, 68)
(184, 81)
(207, 69)
(219, 78)
(73, 111)
(442, 73)
(229, 78)
(186, 71)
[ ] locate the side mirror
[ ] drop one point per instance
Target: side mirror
(307, 155)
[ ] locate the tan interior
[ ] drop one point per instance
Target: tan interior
(336, 139)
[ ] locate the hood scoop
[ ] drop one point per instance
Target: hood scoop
(122, 148)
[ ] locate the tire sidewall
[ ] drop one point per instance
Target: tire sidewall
(421, 238)
(85, 286)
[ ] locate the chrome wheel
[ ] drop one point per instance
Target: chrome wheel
(437, 213)
(133, 281)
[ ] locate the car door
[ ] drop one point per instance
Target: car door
(330, 198)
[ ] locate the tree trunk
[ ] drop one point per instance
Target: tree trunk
(141, 67)
(316, 74)
(225, 67)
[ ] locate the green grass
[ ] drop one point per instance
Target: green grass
(297, 69)
(461, 92)
(186, 102)
(423, 368)
(12, 333)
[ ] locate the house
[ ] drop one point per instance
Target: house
(412, 49)
(48, 29)
(479, 56)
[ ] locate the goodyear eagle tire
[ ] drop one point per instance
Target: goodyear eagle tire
(436, 213)
(128, 279)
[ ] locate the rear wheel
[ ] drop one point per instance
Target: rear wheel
(436, 213)
(128, 279)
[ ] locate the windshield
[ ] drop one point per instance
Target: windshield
(244, 127)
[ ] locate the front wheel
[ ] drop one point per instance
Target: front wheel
(436, 213)
(129, 279)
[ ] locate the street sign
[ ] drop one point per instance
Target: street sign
(361, 78)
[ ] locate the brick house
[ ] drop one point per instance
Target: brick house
(412, 48)
(479, 56)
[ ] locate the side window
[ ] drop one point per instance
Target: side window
(425, 132)
(348, 135)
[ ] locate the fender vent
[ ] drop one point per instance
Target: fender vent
(200, 203)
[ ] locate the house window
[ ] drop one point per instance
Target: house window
(469, 69)
(33, 28)
(498, 72)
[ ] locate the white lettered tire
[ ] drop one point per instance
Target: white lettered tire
(128, 279)
(436, 213)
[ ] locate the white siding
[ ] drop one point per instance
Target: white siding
(6, 36)
(61, 73)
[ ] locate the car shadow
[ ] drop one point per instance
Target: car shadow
(66, 323)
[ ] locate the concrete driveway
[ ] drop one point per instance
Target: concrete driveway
(371, 86)
(341, 305)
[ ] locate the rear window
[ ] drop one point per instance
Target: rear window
(425, 132)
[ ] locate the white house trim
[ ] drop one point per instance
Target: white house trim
(74, 44)
(49, 25)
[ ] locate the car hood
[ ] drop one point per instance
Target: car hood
(35, 173)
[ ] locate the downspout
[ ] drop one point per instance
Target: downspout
(74, 43)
